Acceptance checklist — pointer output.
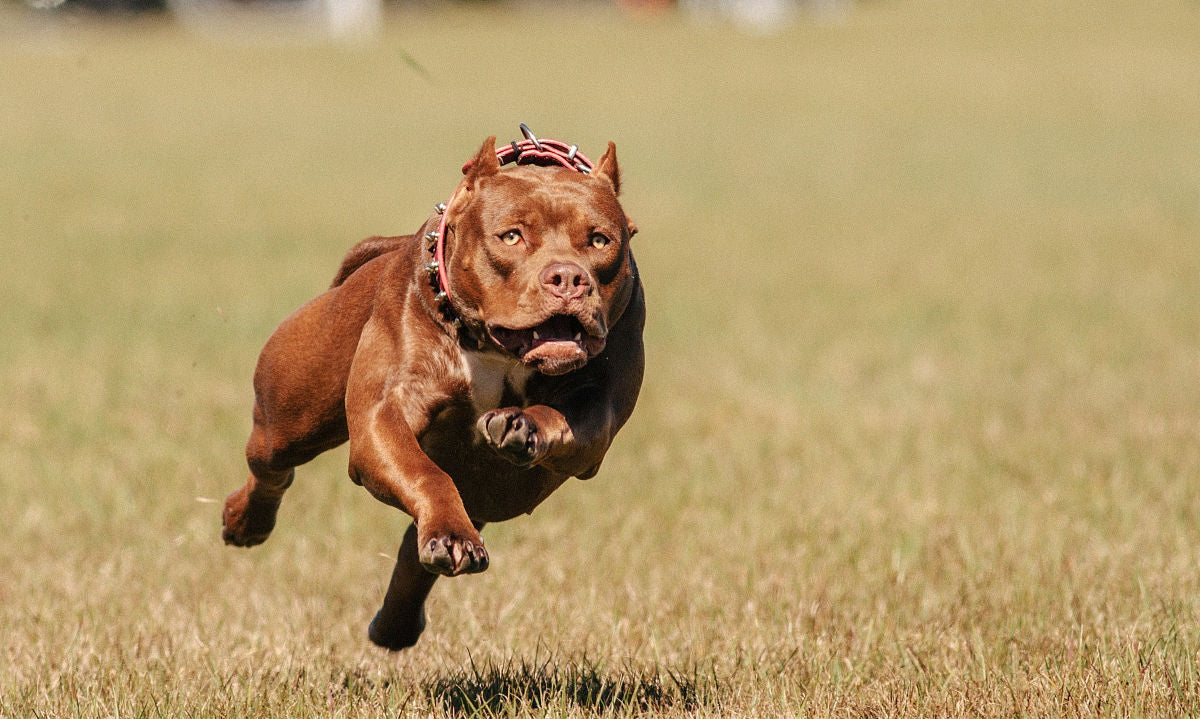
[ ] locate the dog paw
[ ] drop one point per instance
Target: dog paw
(394, 636)
(452, 553)
(513, 434)
(246, 522)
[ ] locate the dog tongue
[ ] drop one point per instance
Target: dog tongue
(555, 357)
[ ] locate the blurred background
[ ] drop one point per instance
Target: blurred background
(920, 430)
(358, 18)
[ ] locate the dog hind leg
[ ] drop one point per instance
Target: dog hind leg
(401, 619)
(399, 622)
(249, 514)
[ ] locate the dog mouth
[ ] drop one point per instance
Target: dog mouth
(563, 332)
(560, 344)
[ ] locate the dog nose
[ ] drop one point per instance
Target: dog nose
(566, 280)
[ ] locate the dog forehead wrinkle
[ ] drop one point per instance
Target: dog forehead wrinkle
(550, 199)
(567, 206)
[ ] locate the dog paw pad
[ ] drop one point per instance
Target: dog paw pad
(513, 434)
(452, 555)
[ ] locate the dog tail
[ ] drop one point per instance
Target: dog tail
(365, 251)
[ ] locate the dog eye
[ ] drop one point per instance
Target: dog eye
(599, 241)
(511, 237)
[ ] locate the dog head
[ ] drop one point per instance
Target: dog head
(539, 259)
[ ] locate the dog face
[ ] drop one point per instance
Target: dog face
(539, 258)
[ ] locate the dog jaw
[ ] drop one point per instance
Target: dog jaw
(555, 346)
(555, 358)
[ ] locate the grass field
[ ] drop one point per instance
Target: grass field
(920, 434)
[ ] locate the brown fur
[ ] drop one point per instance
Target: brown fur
(453, 433)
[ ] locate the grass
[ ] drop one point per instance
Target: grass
(920, 428)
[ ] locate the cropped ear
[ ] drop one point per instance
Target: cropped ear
(483, 164)
(607, 168)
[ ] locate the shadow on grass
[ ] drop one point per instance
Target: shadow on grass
(498, 690)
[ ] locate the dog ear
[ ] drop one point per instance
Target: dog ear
(607, 168)
(483, 164)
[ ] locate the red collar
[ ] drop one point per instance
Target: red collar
(530, 151)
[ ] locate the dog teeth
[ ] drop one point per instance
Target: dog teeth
(537, 336)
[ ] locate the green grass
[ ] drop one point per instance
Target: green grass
(920, 433)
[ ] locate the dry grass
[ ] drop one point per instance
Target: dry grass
(920, 434)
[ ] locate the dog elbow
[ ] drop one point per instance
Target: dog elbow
(590, 471)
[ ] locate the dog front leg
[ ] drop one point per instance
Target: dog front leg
(571, 432)
(386, 459)
(543, 435)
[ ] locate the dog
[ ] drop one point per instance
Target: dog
(473, 366)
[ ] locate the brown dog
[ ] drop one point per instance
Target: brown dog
(471, 389)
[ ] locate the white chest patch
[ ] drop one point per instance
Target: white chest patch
(489, 374)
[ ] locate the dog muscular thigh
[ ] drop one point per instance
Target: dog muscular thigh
(300, 381)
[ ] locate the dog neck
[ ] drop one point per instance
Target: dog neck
(495, 380)
(438, 301)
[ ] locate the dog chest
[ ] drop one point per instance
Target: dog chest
(493, 378)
